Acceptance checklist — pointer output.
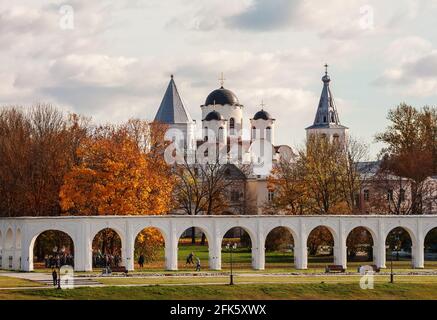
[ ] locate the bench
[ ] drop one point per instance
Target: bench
(375, 268)
(334, 268)
(119, 269)
(108, 271)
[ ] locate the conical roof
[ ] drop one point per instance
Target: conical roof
(172, 109)
(326, 115)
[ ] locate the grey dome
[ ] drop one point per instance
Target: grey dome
(222, 96)
(213, 115)
(262, 115)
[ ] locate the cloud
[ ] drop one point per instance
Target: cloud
(415, 69)
(264, 15)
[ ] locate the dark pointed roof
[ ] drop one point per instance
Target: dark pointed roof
(172, 109)
(326, 116)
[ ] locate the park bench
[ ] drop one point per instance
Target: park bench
(119, 269)
(334, 268)
(109, 271)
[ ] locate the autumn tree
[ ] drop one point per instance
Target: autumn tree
(322, 178)
(410, 152)
(37, 147)
(203, 187)
(121, 171)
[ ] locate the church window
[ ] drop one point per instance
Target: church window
(221, 134)
(332, 117)
(232, 126)
(269, 134)
(253, 133)
(235, 195)
(324, 119)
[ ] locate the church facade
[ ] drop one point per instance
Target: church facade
(223, 119)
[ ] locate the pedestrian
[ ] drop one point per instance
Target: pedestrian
(190, 258)
(141, 261)
(197, 264)
(54, 277)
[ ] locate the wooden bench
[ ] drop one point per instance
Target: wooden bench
(334, 268)
(375, 268)
(108, 271)
(119, 269)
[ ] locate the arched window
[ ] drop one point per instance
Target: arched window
(205, 133)
(232, 126)
(269, 134)
(332, 117)
(324, 119)
(221, 136)
(253, 133)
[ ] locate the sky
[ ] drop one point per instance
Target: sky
(112, 60)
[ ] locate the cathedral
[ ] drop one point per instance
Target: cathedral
(223, 119)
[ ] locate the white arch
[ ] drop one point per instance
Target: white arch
(333, 232)
(162, 230)
(294, 234)
(407, 229)
(35, 236)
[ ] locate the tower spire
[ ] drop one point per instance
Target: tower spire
(172, 110)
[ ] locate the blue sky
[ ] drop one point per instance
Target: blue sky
(115, 59)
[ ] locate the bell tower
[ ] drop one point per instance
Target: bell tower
(327, 122)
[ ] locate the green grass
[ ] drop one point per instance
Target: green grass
(9, 282)
(241, 278)
(253, 291)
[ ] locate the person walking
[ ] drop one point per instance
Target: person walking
(141, 261)
(55, 277)
(190, 258)
(197, 264)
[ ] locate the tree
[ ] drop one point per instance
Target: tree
(203, 187)
(410, 152)
(37, 147)
(121, 171)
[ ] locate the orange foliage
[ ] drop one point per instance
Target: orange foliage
(118, 175)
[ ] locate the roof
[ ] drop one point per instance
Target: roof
(326, 115)
(262, 114)
(221, 96)
(172, 109)
(214, 115)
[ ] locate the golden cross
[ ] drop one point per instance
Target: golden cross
(222, 79)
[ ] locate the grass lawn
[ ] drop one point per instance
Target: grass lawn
(9, 282)
(245, 279)
(253, 291)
